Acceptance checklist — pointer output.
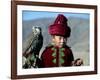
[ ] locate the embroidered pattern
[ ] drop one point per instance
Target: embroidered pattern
(54, 61)
(54, 55)
(61, 55)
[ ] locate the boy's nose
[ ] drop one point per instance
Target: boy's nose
(62, 40)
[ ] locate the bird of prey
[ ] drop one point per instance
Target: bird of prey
(32, 47)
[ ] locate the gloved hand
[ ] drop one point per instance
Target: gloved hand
(77, 62)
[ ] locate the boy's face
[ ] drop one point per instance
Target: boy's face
(58, 40)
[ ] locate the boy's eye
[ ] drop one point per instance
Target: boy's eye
(60, 37)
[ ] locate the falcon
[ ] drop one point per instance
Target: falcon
(32, 48)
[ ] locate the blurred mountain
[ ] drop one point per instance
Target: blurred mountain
(79, 39)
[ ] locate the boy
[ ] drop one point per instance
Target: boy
(58, 54)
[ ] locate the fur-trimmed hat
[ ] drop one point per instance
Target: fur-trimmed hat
(60, 27)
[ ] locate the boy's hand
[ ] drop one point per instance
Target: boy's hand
(77, 62)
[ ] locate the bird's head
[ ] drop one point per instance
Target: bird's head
(36, 30)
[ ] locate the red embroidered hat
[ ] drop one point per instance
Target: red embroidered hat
(60, 27)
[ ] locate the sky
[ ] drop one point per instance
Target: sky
(31, 15)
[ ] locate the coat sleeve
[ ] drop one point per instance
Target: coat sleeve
(70, 57)
(42, 59)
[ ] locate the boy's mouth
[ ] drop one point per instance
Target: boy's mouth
(61, 44)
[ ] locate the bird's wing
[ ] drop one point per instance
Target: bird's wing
(27, 43)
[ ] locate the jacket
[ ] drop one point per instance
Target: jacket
(56, 57)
